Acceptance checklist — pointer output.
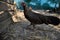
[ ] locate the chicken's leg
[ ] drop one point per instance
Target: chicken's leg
(31, 27)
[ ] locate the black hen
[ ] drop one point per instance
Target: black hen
(35, 18)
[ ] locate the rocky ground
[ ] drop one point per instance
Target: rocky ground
(17, 29)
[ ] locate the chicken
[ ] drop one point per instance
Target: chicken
(36, 18)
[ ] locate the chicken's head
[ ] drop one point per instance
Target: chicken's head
(23, 4)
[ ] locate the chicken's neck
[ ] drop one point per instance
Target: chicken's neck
(25, 10)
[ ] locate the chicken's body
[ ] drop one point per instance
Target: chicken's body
(34, 18)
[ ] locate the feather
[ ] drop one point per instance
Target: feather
(36, 18)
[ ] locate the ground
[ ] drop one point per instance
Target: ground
(17, 29)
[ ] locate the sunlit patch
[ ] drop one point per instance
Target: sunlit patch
(35, 11)
(57, 27)
(19, 16)
(1, 12)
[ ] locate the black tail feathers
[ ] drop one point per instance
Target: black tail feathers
(54, 20)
